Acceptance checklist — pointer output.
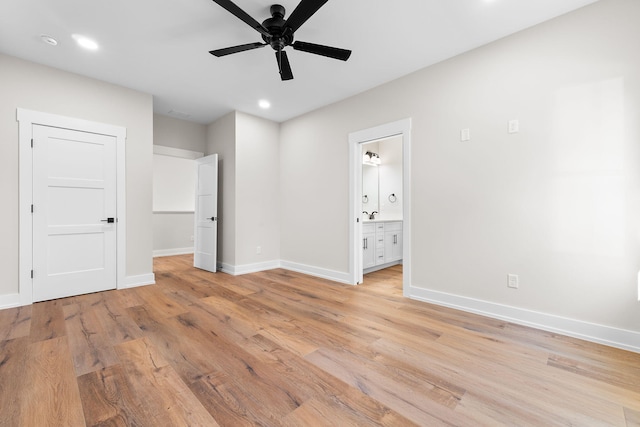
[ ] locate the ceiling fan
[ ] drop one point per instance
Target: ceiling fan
(278, 33)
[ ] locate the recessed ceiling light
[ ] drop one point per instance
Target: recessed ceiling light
(48, 40)
(85, 42)
(264, 104)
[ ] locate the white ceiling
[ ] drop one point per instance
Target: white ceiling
(161, 47)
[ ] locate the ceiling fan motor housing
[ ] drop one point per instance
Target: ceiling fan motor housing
(279, 36)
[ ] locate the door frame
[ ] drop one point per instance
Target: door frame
(26, 119)
(356, 139)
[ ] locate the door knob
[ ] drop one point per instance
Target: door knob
(109, 220)
(213, 218)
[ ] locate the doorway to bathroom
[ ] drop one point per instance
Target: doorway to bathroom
(380, 201)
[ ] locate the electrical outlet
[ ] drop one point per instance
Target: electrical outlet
(514, 126)
(465, 135)
(258, 250)
(513, 281)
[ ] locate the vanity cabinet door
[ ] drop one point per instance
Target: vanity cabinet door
(393, 242)
(368, 246)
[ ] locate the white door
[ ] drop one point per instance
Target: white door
(206, 217)
(74, 208)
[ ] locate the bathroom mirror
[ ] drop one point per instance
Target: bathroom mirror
(370, 189)
(382, 178)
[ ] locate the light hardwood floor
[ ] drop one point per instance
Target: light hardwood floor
(281, 348)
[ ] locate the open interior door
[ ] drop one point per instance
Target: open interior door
(206, 214)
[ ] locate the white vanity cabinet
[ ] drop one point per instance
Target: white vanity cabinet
(381, 244)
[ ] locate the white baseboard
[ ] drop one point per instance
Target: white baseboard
(14, 300)
(237, 270)
(171, 252)
(336, 276)
(323, 273)
(613, 337)
(10, 301)
(135, 281)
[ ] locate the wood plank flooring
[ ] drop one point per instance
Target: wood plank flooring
(279, 348)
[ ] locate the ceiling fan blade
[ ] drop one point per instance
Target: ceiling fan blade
(302, 12)
(283, 65)
(318, 49)
(236, 49)
(242, 15)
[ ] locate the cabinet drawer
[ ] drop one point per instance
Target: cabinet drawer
(393, 226)
(379, 240)
(368, 228)
(379, 226)
(380, 256)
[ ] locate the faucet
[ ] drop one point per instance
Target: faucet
(373, 215)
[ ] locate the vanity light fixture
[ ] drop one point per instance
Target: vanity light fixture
(370, 158)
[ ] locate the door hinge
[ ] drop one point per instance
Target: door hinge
(31, 208)
(31, 142)
(32, 274)
(357, 219)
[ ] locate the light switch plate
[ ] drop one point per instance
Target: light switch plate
(514, 126)
(465, 135)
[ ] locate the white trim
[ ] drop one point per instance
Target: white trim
(121, 202)
(606, 335)
(26, 119)
(226, 268)
(9, 301)
(176, 152)
(25, 133)
(237, 270)
(323, 273)
(140, 280)
(171, 252)
(400, 127)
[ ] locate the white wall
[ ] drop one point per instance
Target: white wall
(35, 87)
(172, 231)
(257, 190)
(558, 203)
(221, 140)
(176, 133)
(248, 191)
(390, 175)
(174, 192)
(174, 180)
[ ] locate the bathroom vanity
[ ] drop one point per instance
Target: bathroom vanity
(381, 244)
